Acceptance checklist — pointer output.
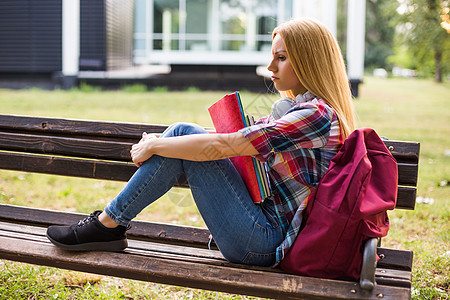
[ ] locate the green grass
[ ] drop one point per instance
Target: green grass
(415, 110)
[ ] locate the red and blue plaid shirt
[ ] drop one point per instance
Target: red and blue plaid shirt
(297, 149)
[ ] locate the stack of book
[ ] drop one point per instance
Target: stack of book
(228, 116)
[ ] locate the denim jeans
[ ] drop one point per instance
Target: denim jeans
(243, 231)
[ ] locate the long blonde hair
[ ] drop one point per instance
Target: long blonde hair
(318, 63)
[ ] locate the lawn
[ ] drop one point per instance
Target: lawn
(404, 109)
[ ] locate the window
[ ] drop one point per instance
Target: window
(203, 26)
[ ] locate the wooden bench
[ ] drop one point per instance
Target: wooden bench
(163, 253)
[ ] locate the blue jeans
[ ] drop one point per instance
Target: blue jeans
(243, 231)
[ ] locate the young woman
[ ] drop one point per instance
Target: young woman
(307, 66)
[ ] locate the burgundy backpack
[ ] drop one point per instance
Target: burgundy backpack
(348, 206)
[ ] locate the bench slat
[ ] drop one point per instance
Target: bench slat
(393, 277)
(406, 198)
(185, 253)
(30, 232)
(70, 127)
(150, 249)
(118, 171)
(407, 174)
(403, 151)
(188, 271)
(393, 259)
(390, 277)
(65, 166)
(119, 151)
(148, 231)
(163, 233)
(65, 146)
(85, 168)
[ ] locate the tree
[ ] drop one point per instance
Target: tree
(381, 17)
(380, 31)
(428, 42)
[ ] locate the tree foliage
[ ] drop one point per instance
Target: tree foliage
(380, 32)
(428, 43)
(381, 18)
(404, 33)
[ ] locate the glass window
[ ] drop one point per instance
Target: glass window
(233, 45)
(161, 44)
(266, 24)
(250, 22)
(197, 45)
(206, 25)
(139, 17)
(166, 16)
(232, 17)
(197, 16)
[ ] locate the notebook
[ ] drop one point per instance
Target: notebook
(228, 116)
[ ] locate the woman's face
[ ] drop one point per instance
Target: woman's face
(283, 75)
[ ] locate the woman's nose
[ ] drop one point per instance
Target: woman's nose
(271, 66)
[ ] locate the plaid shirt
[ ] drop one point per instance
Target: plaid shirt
(297, 149)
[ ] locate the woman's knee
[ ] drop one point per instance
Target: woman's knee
(183, 128)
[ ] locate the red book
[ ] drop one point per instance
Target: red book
(227, 116)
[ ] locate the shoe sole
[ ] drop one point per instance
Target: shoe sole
(117, 245)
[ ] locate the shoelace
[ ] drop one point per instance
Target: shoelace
(85, 220)
(91, 218)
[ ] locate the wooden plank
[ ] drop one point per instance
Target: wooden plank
(112, 150)
(65, 146)
(393, 277)
(147, 231)
(183, 235)
(214, 256)
(142, 248)
(66, 166)
(406, 198)
(117, 171)
(185, 253)
(78, 127)
(395, 259)
(407, 174)
(95, 169)
(147, 248)
(164, 233)
(190, 274)
(404, 151)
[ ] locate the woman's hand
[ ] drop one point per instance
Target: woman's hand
(140, 152)
(195, 147)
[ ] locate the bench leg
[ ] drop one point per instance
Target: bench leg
(367, 280)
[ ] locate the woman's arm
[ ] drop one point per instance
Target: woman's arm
(196, 147)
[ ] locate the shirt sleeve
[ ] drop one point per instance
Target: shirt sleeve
(306, 126)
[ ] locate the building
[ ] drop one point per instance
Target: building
(214, 44)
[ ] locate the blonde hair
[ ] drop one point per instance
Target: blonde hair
(318, 63)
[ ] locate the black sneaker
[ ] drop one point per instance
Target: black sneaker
(88, 234)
